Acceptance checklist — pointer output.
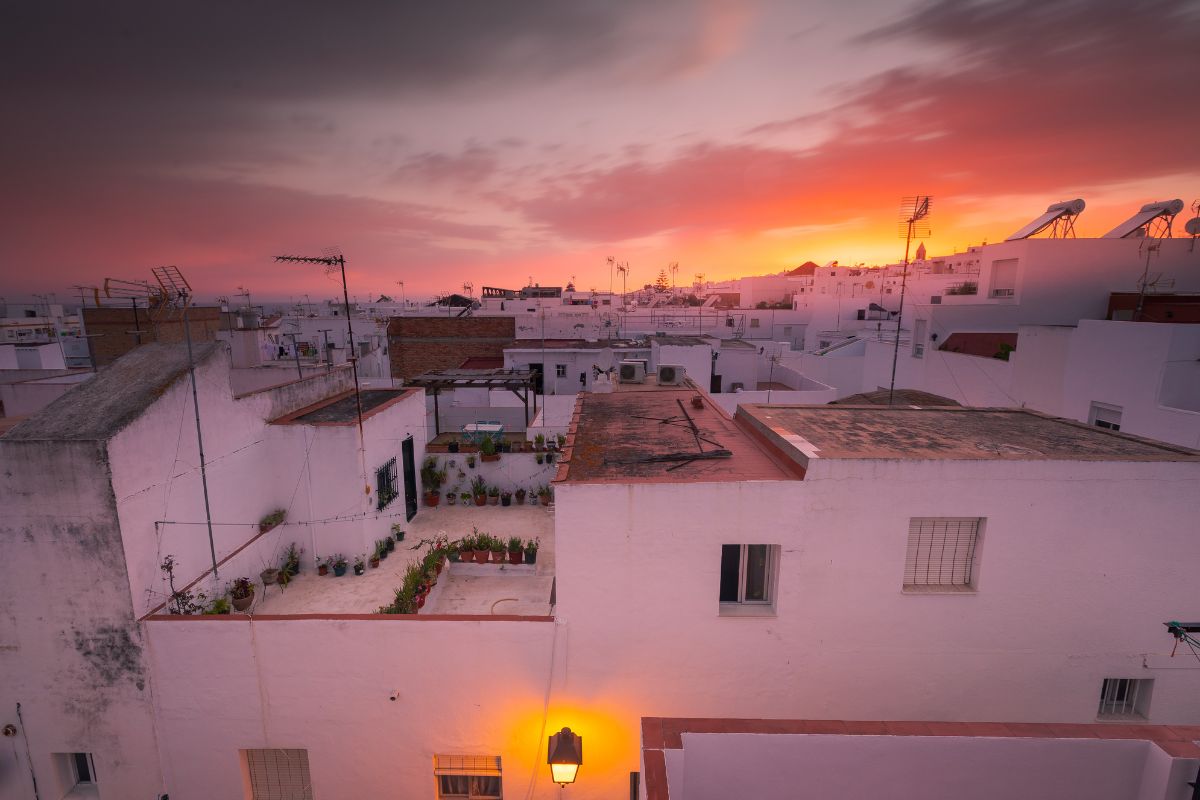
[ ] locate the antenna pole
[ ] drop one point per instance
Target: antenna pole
(187, 335)
(920, 210)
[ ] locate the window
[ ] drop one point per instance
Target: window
(1103, 415)
(942, 554)
(754, 322)
(918, 343)
(1125, 698)
(77, 775)
(278, 774)
(385, 484)
(1004, 277)
(560, 370)
(468, 777)
(748, 578)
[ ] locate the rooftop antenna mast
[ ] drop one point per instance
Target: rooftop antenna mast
(914, 222)
(333, 260)
(1193, 225)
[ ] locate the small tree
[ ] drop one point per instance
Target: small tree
(662, 283)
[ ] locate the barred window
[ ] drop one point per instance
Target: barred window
(1125, 698)
(942, 553)
(385, 484)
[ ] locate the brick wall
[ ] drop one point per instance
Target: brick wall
(424, 344)
(110, 330)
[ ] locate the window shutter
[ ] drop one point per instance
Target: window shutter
(941, 551)
(279, 774)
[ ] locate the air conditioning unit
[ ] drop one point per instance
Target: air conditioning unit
(632, 372)
(670, 375)
(935, 300)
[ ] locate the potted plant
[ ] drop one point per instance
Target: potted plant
(541, 458)
(390, 544)
(432, 479)
(323, 567)
(533, 496)
(454, 551)
(481, 547)
(471, 462)
(465, 498)
(479, 490)
(291, 561)
(374, 559)
(498, 554)
(360, 565)
(562, 441)
(272, 520)
(515, 552)
(531, 550)
(506, 498)
(493, 495)
(269, 575)
(452, 496)
(521, 496)
(549, 456)
(381, 548)
(398, 531)
(242, 592)
(338, 562)
(539, 442)
(219, 606)
(544, 494)
(487, 450)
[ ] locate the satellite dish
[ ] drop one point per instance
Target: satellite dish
(1193, 226)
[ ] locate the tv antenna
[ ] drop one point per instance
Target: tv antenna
(914, 222)
(332, 260)
(134, 292)
(468, 287)
(1192, 227)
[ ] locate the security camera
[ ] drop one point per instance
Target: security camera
(394, 696)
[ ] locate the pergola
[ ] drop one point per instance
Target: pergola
(521, 382)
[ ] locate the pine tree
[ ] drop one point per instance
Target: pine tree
(662, 283)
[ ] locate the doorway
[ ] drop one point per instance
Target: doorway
(410, 479)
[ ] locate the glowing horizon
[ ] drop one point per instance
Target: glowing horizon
(498, 144)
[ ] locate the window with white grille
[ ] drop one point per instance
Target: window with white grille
(1125, 698)
(1104, 415)
(942, 553)
(470, 777)
(1004, 277)
(278, 774)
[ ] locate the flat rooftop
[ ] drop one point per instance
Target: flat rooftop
(342, 409)
(647, 436)
(909, 433)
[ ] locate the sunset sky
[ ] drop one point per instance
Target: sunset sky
(443, 142)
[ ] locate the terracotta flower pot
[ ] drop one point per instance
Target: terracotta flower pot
(481, 499)
(545, 498)
(493, 499)
(516, 556)
(432, 498)
(374, 562)
(499, 557)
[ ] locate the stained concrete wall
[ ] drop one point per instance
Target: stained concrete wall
(70, 652)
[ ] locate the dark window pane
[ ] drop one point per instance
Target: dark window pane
(82, 768)
(756, 572)
(485, 786)
(453, 785)
(730, 564)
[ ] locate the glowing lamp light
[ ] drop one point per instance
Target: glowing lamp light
(564, 756)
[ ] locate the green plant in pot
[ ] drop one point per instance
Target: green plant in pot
(493, 495)
(480, 546)
(338, 562)
(242, 593)
(219, 606)
(506, 498)
(521, 496)
(499, 556)
(531, 550)
(544, 494)
(516, 554)
(487, 450)
(432, 478)
(539, 442)
(479, 490)
(272, 520)
(471, 462)
(398, 531)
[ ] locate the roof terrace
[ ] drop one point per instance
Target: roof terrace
(474, 589)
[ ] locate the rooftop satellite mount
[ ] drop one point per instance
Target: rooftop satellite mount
(1060, 218)
(1152, 221)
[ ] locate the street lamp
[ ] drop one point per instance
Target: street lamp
(564, 756)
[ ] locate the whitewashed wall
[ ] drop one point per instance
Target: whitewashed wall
(1078, 571)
